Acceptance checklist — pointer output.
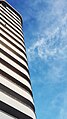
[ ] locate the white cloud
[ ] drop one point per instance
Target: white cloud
(53, 44)
(63, 114)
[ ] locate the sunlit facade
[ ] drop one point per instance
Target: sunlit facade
(16, 99)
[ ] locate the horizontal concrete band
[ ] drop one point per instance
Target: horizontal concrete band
(12, 111)
(13, 16)
(13, 13)
(15, 60)
(14, 69)
(13, 34)
(5, 75)
(17, 96)
(11, 9)
(14, 44)
(13, 86)
(7, 49)
(15, 75)
(10, 18)
(10, 14)
(5, 11)
(11, 22)
(4, 115)
(14, 64)
(5, 4)
(10, 49)
(6, 22)
(16, 104)
(20, 34)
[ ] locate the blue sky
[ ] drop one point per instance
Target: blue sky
(45, 32)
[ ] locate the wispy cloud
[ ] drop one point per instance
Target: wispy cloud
(59, 104)
(53, 44)
(47, 56)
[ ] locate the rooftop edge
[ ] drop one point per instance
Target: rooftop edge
(4, 1)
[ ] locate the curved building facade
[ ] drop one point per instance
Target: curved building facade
(16, 99)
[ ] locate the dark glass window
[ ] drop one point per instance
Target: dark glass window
(4, 4)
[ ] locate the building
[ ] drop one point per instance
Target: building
(16, 99)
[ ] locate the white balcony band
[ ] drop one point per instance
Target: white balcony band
(13, 13)
(7, 26)
(15, 88)
(13, 54)
(17, 105)
(6, 13)
(6, 116)
(12, 22)
(12, 47)
(14, 65)
(10, 14)
(10, 38)
(15, 75)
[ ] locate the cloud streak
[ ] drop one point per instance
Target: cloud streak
(53, 44)
(46, 22)
(59, 103)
